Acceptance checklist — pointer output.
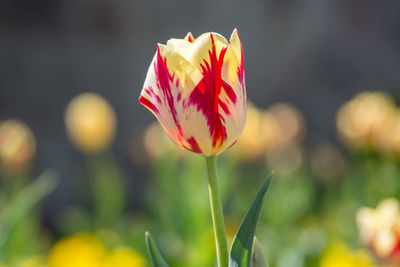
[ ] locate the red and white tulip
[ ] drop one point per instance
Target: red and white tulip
(379, 229)
(196, 89)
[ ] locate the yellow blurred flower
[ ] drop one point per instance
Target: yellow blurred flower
(286, 154)
(157, 143)
(91, 122)
(124, 257)
(17, 144)
(338, 255)
(290, 121)
(361, 120)
(86, 250)
(388, 136)
(258, 134)
(379, 228)
(82, 250)
(266, 131)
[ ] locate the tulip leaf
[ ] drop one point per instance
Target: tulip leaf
(155, 256)
(258, 258)
(240, 255)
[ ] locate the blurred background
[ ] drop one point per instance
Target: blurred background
(83, 166)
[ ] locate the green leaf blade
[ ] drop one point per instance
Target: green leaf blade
(155, 256)
(240, 255)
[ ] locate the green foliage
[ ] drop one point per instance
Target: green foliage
(16, 222)
(180, 212)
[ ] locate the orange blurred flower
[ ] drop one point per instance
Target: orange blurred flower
(273, 132)
(388, 137)
(17, 145)
(361, 120)
(258, 135)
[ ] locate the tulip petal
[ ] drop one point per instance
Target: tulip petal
(206, 95)
(162, 95)
(157, 95)
(187, 75)
(236, 44)
(189, 37)
(180, 46)
(203, 44)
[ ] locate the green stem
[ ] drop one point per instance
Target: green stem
(216, 213)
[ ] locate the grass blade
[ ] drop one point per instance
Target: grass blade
(155, 256)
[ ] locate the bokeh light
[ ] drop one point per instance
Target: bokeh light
(272, 132)
(360, 120)
(327, 162)
(91, 123)
(17, 145)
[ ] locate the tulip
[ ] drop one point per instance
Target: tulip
(196, 89)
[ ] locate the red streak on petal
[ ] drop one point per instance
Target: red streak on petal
(145, 102)
(232, 144)
(240, 72)
(194, 147)
(190, 38)
(224, 107)
(205, 96)
(396, 252)
(151, 93)
(230, 92)
(164, 80)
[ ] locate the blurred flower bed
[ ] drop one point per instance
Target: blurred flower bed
(329, 205)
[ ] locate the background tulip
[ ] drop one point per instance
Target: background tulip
(91, 123)
(17, 145)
